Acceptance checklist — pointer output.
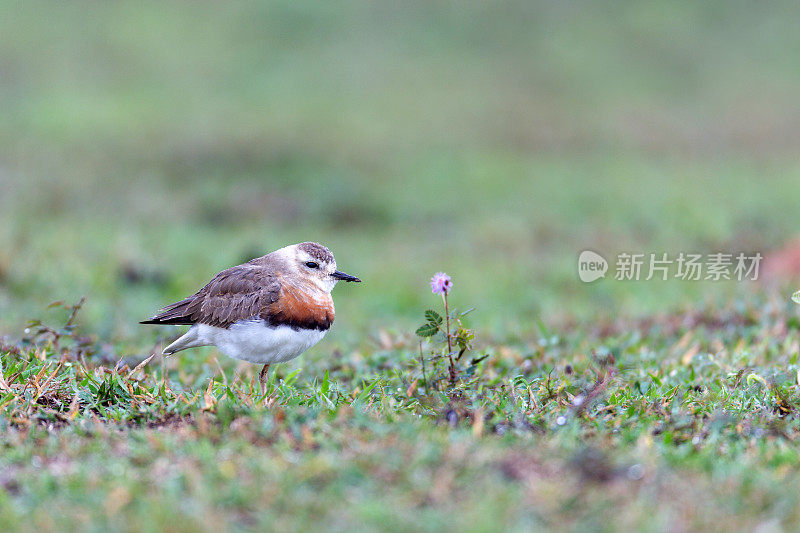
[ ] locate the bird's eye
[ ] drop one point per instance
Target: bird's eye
(312, 264)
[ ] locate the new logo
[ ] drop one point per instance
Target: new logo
(591, 266)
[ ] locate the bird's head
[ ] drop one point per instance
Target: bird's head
(314, 263)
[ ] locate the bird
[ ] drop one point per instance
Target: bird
(268, 310)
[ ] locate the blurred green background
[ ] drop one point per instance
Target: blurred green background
(147, 145)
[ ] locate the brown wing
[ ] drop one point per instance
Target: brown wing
(238, 293)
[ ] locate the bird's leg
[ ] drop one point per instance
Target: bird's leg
(262, 379)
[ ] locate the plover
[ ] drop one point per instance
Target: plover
(268, 310)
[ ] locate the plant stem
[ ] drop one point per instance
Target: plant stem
(424, 374)
(449, 344)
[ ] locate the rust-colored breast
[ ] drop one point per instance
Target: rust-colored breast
(301, 309)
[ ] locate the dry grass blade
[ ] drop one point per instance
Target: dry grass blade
(3, 383)
(209, 401)
(41, 390)
(140, 366)
(73, 407)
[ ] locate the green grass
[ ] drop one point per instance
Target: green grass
(147, 146)
(688, 422)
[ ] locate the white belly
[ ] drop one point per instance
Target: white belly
(256, 342)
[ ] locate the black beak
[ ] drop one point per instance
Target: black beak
(344, 277)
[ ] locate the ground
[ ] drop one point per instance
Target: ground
(146, 147)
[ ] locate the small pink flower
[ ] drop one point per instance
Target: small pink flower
(440, 283)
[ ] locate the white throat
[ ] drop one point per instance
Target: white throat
(325, 285)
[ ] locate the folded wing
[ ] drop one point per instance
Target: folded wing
(238, 293)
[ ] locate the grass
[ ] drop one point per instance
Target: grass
(681, 423)
(147, 146)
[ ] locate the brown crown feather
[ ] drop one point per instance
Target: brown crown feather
(317, 251)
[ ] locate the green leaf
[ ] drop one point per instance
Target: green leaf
(755, 377)
(428, 330)
(325, 384)
(291, 378)
(433, 318)
(362, 397)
